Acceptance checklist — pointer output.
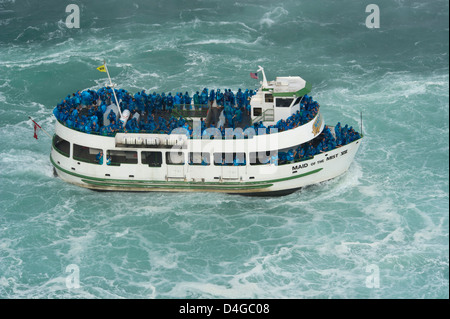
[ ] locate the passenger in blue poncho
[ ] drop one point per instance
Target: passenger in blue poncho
(240, 98)
(197, 100)
(132, 105)
(281, 158)
(177, 101)
(237, 116)
(132, 126)
(85, 98)
(299, 153)
(290, 155)
(169, 103)
(309, 150)
(144, 101)
(229, 114)
(274, 159)
(95, 127)
(70, 122)
(103, 107)
(212, 97)
(238, 161)
(204, 98)
(163, 101)
(99, 158)
(181, 121)
(319, 148)
(158, 102)
(232, 98)
(220, 98)
(76, 98)
(138, 101)
(112, 116)
(187, 101)
(74, 113)
(87, 127)
(151, 102)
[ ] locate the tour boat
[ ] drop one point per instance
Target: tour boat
(246, 160)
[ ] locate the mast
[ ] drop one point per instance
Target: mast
(261, 69)
(112, 86)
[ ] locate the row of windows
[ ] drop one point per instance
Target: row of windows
(281, 102)
(155, 158)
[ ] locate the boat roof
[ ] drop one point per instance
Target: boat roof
(288, 86)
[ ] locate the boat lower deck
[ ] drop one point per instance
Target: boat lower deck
(262, 180)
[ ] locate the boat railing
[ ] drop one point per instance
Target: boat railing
(189, 114)
(267, 115)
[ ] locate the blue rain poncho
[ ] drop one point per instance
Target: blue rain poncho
(196, 100)
(204, 97)
(177, 101)
(290, 156)
(187, 101)
(99, 158)
(274, 159)
(169, 102)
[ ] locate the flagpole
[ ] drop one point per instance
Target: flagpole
(40, 127)
(112, 86)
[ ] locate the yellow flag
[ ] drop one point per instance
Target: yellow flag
(101, 68)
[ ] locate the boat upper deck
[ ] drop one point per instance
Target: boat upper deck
(93, 112)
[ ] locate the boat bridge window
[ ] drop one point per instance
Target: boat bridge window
(152, 159)
(257, 111)
(282, 102)
(229, 159)
(122, 157)
(297, 101)
(61, 146)
(198, 158)
(268, 98)
(175, 158)
(86, 154)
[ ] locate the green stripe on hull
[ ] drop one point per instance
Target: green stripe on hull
(168, 185)
(178, 184)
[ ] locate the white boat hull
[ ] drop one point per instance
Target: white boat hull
(259, 180)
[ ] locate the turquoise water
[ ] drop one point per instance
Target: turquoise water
(379, 231)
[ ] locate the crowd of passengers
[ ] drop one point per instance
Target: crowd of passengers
(84, 111)
(324, 142)
(152, 113)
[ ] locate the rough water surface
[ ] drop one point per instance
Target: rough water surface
(379, 231)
